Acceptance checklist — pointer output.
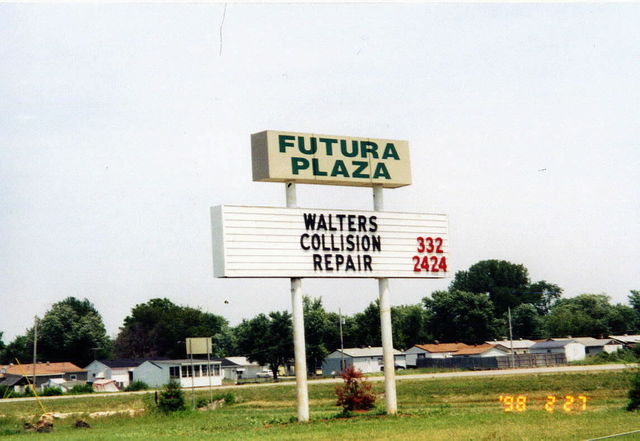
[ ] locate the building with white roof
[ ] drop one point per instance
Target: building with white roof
(520, 346)
(627, 340)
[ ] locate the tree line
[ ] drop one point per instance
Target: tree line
(472, 310)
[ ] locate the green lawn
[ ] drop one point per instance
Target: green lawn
(433, 409)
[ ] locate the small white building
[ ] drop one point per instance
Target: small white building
(366, 360)
(433, 350)
(120, 370)
(187, 372)
(572, 350)
(64, 385)
(244, 369)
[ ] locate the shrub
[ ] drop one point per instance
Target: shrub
(229, 398)
(6, 392)
(634, 392)
(171, 398)
(81, 389)
(202, 402)
(51, 391)
(355, 393)
(136, 385)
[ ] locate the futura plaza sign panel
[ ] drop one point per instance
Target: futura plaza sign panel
(328, 159)
(299, 242)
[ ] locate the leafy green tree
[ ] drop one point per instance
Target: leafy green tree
(505, 282)
(2, 346)
(224, 342)
(71, 331)
(542, 295)
(20, 348)
(623, 319)
(267, 340)
(322, 334)
(363, 328)
(589, 315)
(526, 322)
(461, 316)
(634, 299)
(159, 328)
(409, 325)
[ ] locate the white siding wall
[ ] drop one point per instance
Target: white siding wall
(575, 351)
(200, 380)
(612, 348)
(494, 353)
(247, 372)
(121, 376)
(151, 374)
(95, 368)
(412, 355)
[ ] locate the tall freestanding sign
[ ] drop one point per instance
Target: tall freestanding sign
(299, 243)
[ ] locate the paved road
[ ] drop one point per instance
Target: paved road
(490, 373)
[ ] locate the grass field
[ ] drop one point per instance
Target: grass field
(430, 409)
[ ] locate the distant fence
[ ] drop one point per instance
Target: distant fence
(504, 362)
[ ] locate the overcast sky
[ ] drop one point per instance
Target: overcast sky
(121, 124)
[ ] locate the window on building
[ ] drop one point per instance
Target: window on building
(196, 370)
(216, 370)
(205, 370)
(174, 372)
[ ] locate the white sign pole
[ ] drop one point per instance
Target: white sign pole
(385, 326)
(298, 328)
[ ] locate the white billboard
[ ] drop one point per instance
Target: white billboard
(300, 242)
(198, 345)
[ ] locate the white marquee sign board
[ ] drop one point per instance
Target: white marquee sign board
(299, 242)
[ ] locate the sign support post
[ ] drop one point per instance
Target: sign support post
(385, 326)
(193, 374)
(297, 313)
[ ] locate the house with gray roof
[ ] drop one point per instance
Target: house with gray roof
(366, 360)
(593, 346)
(572, 350)
(120, 370)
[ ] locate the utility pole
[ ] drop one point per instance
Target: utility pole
(35, 350)
(513, 364)
(342, 366)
